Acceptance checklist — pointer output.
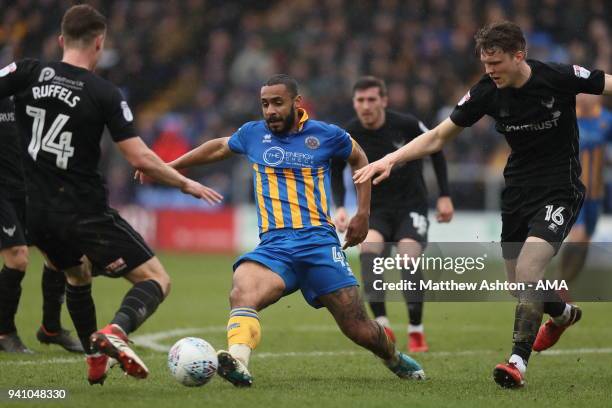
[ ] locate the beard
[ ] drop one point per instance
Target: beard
(287, 122)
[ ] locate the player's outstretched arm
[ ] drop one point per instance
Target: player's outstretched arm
(147, 162)
(426, 144)
(208, 152)
(358, 225)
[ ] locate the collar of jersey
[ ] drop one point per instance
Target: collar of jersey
(303, 115)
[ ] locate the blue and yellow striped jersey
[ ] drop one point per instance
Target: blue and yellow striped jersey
(595, 132)
(291, 173)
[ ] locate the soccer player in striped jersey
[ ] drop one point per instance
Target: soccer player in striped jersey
(290, 158)
(595, 126)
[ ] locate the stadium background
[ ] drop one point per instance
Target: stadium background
(191, 70)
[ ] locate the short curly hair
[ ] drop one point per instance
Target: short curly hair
(503, 35)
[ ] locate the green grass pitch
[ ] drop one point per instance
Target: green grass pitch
(304, 361)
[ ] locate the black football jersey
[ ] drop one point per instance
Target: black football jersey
(405, 186)
(62, 111)
(538, 121)
(11, 170)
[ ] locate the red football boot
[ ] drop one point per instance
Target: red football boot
(113, 342)
(549, 332)
(508, 376)
(417, 343)
(98, 366)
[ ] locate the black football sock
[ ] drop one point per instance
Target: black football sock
(527, 320)
(414, 298)
(82, 311)
(10, 292)
(553, 306)
(138, 304)
(53, 289)
(366, 260)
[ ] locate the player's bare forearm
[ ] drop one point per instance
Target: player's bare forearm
(152, 166)
(208, 152)
(357, 160)
(608, 85)
(428, 143)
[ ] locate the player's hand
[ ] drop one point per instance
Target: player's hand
(379, 170)
(200, 191)
(445, 209)
(357, 230)
(341, 219)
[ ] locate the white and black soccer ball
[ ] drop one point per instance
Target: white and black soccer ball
(192, 361)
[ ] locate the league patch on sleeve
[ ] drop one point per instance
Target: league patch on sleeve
(581, 72)
(465, 98)
(127, 113)
(12, 67)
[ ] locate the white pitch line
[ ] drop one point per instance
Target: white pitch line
(152, 341)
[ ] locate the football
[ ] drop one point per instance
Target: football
(192, 361)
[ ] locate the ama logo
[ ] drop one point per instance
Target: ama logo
(46, 74)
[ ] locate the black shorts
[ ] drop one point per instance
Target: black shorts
(109, 242)
(544, 212)
(12, 221)
(395, 224)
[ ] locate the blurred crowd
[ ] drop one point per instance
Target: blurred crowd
(191, 69)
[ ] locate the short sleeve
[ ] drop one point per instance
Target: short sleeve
(471, 107)
(578, 79)
(237, 142)
(119, 121)
(342, 144)
(16, 76)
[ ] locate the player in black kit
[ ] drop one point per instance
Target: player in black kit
(62, 110)
(399, 207)
(14, 250)
(534, 106)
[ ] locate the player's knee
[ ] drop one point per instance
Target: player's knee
(240, 297)
(151, 270)
(16, 257)
(78, 275)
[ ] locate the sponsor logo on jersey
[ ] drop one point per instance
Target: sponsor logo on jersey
(275, 155)
(312, 142)
(581, 72)
(544, 125)
(549, 104)
(267, 138)
(9, 231)
(465, 98)
(553, 227)
(46, 74)
(127, 113)
(12, 67)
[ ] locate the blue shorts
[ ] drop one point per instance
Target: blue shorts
(589, 215)
(310, 259)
